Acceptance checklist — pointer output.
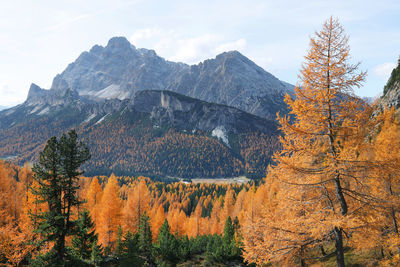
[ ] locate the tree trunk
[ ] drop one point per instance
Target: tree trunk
(340, 196)
(322, 250)
(339, 247)
(60, 249)
(395, 227)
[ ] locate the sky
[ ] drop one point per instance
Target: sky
(39, 38)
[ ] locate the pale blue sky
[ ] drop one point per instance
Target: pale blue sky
(38, 39)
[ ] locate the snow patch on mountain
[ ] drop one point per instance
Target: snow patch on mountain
(220, 133)
(110, 92)
(89, 118)
(99, 121)
(44, 111)
(36, 109)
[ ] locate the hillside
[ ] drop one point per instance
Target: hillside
(391, 91)
(154, 133)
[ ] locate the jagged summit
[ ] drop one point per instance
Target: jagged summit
(119, 42)
(118, 70)
(35, 91)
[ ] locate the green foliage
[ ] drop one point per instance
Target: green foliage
(96, 256)
(394, 77)
(84, 236)
(145, 238)
(167, 244)
(214, 252)
(129, 254)
(185, 247)
(223, 249)
(57, 175)
(230, 250)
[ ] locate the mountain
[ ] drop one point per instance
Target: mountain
(142, 114)
(2, 107)
(391, 91)
(156, 132)
(119, 70)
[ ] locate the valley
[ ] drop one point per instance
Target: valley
(130, 159)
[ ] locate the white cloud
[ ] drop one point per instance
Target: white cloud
(384, 70)
(66, 22)
(235, 45)
(188, 49)
(143, 34)
(195, 49)
(9, 97)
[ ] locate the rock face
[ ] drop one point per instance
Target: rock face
(153, 133)
(165, 109)
(391, 92)
(119, 70)
(185, 113)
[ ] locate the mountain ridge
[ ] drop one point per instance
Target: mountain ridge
(154, 133)
(119, 69)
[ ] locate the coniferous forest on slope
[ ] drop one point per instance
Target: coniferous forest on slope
(330, 195)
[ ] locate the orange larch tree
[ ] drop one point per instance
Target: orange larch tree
(137, 204)
(384, 181)
(110, 213)
(93, 198)
(318, 166)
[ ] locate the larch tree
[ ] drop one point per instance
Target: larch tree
(385, 186)
(93, 198)
(227, 209)
(317, 168)
(137, 203)
(157, 220)
(110, 213)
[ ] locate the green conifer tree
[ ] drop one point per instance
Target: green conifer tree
(85, 236)
(57, 173)
(130, 251)
(167, 244)
(96, 255)
(145, 238)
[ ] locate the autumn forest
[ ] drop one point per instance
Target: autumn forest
(329, 196)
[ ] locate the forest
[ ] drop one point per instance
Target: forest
(330, 196)
(146, 151)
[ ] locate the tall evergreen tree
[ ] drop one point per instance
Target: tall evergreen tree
(130, 251)
(85, 236)
(96, 256)
(145, 238)
(167, 244)
(57, 173)
(228, 239)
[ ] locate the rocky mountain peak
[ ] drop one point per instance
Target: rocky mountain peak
(119, 42)
(119, 70)
(234, 54)
(35, 94)
(35, 90)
